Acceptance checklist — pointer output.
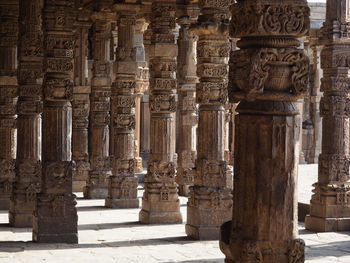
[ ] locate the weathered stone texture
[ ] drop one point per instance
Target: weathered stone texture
(268, 75)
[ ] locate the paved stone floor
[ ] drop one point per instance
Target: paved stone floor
(108, 236)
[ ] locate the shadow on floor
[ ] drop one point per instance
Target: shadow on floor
(16, 246)
(330, 249)
(216, 260)
(110, 225)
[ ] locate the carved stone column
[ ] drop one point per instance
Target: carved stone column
(315, 101)
(330, 210)
(81, 105)
(8, 97)
(55, 218)
(30, 78)
(142, 83)
(187, 125)
(97, 184)
(210, 202)
(122, 188)
(268, 75)
(160, 202)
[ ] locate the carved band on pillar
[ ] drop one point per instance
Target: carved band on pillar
(267, 75)
(122, 189)
(187, 79)
(30, 79)
(329, 209)
(55, 217)
(81, 105)
(210, 202)
(8, 97)
(99, 134)
(160, 202)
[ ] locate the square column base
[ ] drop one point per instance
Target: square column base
(160, 212)
(5, 202)
(55, 219)
(319, 224)
(21, 220)
(204, 223)
(78, 186)
(122, 203)
(203, 232)
(95, 192)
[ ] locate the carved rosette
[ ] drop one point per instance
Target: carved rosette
(329, 210)
(122, 188)
(160, 202)
(267, 76)
(100, 106)
(55, 216)
(212, 189)
(8, 97)
(29, 108)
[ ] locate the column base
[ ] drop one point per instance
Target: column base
(139, 167)
(78, 186)
(21, 213)
(95, 192)
(162, 212)
(55, 219)
(319, 224)
(202, 232)
(184, 190)
(5, 203)
(204, 223)
(122, 203)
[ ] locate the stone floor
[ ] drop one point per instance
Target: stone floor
(108, 236)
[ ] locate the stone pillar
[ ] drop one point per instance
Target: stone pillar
(55, 218)
(100, 170)
(122, 188)
(160, 202)
(81, 106)
(8, 97)
(145, 110)
(268, 75)
(329, 209)
(210, 202)
(187, 125)
(315, 103)
(142, 84)
(30, 78)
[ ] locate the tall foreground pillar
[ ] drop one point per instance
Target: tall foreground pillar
(30, 106)
(8, 97)
(267, 75)
(100, 106)
(210, 202)
(160, 202)
(187, 125)
(330, 210)
(55, 217)
(122, 188)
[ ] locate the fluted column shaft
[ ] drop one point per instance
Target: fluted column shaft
(122, 189)
(210, 200)
(8, 97)
(99, 133)
(81, 107)
(268, 75)
(30, 106)
(160, 202)
(329, 210)
(55, 217)
(187, 79)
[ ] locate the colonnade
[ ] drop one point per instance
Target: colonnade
(81, 82)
